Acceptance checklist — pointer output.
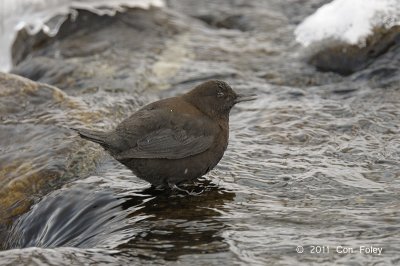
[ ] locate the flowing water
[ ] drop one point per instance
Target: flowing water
(311, 174)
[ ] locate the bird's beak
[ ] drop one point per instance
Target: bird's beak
(245, 98)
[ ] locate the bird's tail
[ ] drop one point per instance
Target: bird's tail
(99, 137)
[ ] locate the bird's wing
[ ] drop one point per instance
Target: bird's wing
(168, 144)
(171, 142)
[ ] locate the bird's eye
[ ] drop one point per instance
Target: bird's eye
(220, 94)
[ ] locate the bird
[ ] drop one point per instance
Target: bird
(173, 140)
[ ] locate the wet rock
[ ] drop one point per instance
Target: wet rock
(110, 52)
(38, 152)
(346, 59)
(384, 71)
(78, 25)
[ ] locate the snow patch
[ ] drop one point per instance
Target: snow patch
(349, 21)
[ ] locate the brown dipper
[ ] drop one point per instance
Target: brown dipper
(174, 140)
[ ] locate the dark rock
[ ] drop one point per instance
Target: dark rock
(346, 59)
(80, 25)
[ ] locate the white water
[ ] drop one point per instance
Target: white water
(33, 15)
(349, 21)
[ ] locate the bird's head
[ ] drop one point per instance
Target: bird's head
(215, 98)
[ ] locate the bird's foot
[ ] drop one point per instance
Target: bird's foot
(191, 193)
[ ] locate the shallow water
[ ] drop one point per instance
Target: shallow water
(312, 162)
